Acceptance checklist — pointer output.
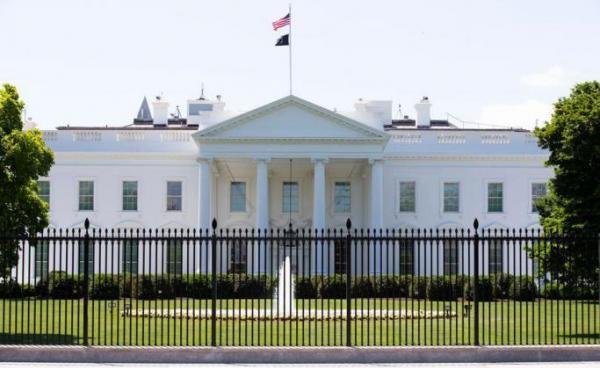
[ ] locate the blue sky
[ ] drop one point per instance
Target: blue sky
(496, 62)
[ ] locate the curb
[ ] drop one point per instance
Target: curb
(453, 354)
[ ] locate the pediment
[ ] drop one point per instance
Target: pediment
(288, 119)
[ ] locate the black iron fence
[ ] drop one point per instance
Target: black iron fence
(300, 287)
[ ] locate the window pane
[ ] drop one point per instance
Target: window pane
(174, 256)
(130, 256)
(86, 195)
(340, 256)
(130, 196)
(41, 259)
(407, 196)
(538, 190)
(90, 258)
(451, 197)
(290, 196)
(495, 197)
(237, 197)
(495, 256)
(238, 256)
(407, 254)
(44, 190)
(450, 257)
(174, 195)
(342, 197)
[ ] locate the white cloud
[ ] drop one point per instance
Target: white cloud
(551, 77)
(517, 115)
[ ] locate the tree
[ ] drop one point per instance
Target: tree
(23, 158)
(572, 205)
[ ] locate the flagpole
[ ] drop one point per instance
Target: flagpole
(290, 47)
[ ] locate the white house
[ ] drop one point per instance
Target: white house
(292, 160)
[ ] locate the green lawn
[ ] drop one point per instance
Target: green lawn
(501, 322)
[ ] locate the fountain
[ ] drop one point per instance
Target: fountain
(284, 294)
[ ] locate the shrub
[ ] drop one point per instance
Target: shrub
(441, 288)
(104, 287)
(307, 288)
(501, 283)
(164, 287)
(146, 287)
(362, 287)
(523, 288)
(254, 287)
(198, 286)
(128, 285)
(485, 289)
(64, 286)
(10, 288)
(393, 287)
(551, 291)
(418, 287)
(225, 286)
(333, 287)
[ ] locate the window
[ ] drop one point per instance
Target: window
(340, 256)
(174, 256)
(44, 190)
(238, 256)
(174, 195)
(495, 256)
(450, 257)
(90, 258)
(86, 195)
(495, 197)
(130, 196)
(407, 196)
(130, 256)
(451, 197)
(407, 256)
(41, 259)
(538, 190)
(290, 196)
(342, 197)
(237, 197)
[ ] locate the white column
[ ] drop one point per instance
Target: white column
(319, 221)
(204, 213)
(262, 215)
(376, 212)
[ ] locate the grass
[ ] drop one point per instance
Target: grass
(501, 323)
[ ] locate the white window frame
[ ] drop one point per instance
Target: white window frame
(442, 196)
(165, 192)
(398, 196)
(49, 190)
(486, 192)
(77, 181)
(334, 183)
(246, 203)
(123, 180)
(530, 194)
(299, 182)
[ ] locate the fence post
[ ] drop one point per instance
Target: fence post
(348, 282)
(86, 280)
(476, 283)
(213, 262)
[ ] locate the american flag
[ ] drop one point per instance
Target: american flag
(285, 21)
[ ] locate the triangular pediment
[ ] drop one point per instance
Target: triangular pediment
(291, 118)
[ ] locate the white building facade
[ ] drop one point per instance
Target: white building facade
(292, 160)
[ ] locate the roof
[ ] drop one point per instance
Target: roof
(143, 114)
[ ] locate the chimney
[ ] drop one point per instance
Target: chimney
(423, 113)
(161, 112)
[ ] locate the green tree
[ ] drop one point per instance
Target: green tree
(23, 158)
(572, 205)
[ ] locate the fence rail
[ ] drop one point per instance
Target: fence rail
(298, 287)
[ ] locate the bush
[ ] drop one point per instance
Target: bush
(307, 288)
(146, 287)
(254, 287)
(333, 287)
(10, 289)
(418, 287)
(64, 286)
(104, 287)
(393, 287)
(501, 283)
(199, 286)
(362, 287)
(551, 291)
(485, 289)
(225, 286)
(128, 285)
(441, 288)
(523, 289)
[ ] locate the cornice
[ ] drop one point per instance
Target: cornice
(144, 156)
(302, 140)
(466, 157)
